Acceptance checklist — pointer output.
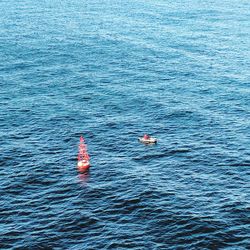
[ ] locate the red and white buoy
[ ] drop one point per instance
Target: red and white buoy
(83, 163)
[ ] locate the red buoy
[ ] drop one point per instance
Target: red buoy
(83, 163)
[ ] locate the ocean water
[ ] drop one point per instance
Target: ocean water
(112, 71)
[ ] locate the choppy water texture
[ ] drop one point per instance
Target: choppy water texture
(113, 70)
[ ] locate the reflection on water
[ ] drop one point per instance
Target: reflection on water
(84, 178)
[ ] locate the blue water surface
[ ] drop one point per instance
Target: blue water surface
(111, 71)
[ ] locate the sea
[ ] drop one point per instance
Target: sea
(113, 71)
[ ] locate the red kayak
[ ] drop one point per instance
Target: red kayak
(83, 163)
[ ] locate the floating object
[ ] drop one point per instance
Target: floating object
(147, 139)
(83, 163)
